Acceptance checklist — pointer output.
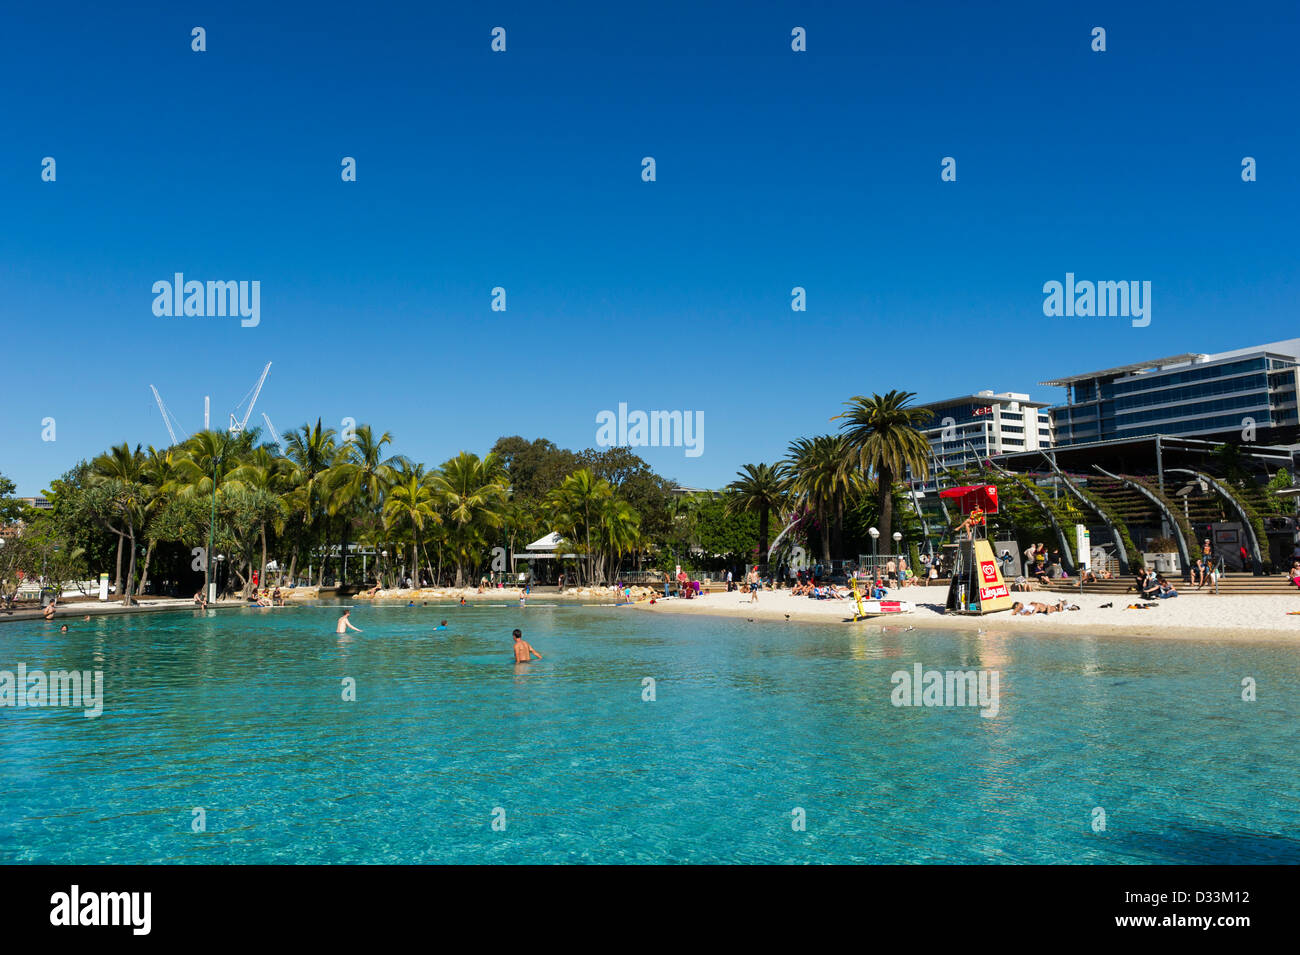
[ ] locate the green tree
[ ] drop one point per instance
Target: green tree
(883, 440)
(759, 489)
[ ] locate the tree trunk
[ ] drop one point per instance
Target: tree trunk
(885, 483)
(117, 575)
(130, 573)
(415, 561)
(261, 577)
(763, 517)
(148, 555)
(324, 556)
(293, 565)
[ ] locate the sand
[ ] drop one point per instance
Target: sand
(1200, 616)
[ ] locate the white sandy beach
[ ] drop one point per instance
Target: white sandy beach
(1201, 616)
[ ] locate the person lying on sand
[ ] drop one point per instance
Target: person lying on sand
(1028, 610)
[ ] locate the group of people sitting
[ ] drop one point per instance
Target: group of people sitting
(816, 591)
(266, 597)
(1152, 585)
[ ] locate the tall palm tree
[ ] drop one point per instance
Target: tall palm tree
(411, 503)
(159, 476)
(472, 493)
(207, 465)
(265, 473)
(312, 452)
(359, 479)
(758, 489)
(575, 508)
(820, 482)
(619, 532)
(883, 439)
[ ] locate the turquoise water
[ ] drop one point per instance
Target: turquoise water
(241, 714)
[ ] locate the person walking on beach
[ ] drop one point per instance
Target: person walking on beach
(754, 585)
(344, 624)
(523, 649)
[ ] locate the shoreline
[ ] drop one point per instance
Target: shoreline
(1226, 619)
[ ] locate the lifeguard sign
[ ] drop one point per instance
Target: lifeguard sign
(977, 586)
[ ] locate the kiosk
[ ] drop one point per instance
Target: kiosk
(977, 585)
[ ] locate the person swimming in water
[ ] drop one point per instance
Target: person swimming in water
(523, 649)
(345, 624)
(441, 626)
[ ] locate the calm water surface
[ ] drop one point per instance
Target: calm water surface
(241, 714)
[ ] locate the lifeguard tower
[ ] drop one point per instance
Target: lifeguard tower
(977, 586)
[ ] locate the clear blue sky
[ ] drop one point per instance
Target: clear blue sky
(522, 169)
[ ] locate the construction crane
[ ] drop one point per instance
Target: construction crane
(237, 426)
(275, 434)
(166, 419)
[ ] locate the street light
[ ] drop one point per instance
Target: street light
(875, 534)
(898, 539)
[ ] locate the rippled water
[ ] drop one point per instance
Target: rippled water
(241, 714)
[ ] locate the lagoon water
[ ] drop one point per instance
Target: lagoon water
(241, 714)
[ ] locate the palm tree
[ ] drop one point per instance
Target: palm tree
(411, 502)
(575, 506)
(116, 469)
(312, 452)
(472, 492)
(820, 482)
(159, 476)
(207, 465)
(619, 532)
(759, 489)
(882, 438)
(359, 479)
(265, 473)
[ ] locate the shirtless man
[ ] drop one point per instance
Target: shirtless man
(755, 585)
(345, 624)
(523, 648)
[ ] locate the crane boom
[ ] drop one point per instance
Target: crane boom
(237, 426)
(275, 434)
(163, 409)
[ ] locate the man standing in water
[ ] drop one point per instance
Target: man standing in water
(523, 649)
(345, 624)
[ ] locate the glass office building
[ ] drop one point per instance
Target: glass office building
(1243, 393)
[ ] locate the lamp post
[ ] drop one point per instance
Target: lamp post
(220, 558)
(875, 535)
(898, 541)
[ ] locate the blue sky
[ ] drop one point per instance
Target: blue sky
(522, 170)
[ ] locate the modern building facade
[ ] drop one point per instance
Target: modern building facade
(968, 428)
(1248, 394)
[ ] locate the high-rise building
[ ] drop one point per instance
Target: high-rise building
(968, 428)
(1248, 393)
